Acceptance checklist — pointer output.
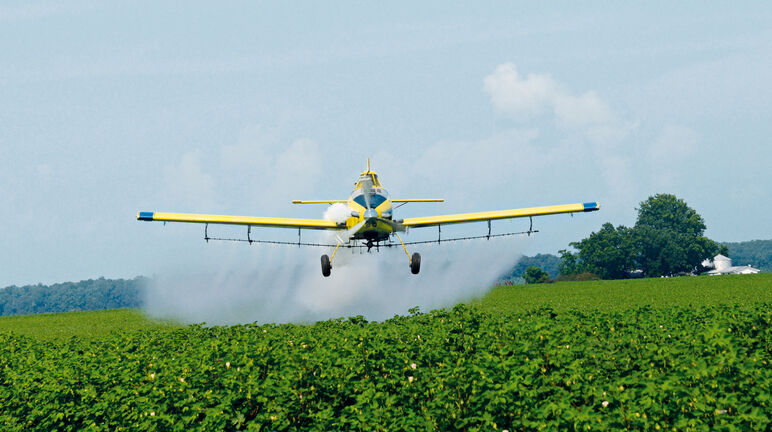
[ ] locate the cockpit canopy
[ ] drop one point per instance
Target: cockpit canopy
(372, 176)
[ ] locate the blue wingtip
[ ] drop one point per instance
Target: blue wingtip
(145, 216)
(591, 206)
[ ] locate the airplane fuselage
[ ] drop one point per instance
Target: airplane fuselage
(374, 220)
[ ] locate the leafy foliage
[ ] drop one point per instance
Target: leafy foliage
(608, 253)
(92, 294)
(535, 275)
(596, 358)
(463, 369)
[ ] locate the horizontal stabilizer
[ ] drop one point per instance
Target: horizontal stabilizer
(318, 201)
(418, 200)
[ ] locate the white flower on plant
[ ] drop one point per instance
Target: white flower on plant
(152, 414)
(227, 364)
(605, 404)
(413, 365)
(410, 379)
(152, 375)
(182, 380)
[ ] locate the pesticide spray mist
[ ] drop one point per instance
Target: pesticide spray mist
(235, 283)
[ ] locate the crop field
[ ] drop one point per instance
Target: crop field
(670, 354)
(85, 325)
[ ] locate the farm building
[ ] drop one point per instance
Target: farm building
(722, 265)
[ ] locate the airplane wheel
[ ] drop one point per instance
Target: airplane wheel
(415, 263)
(326, 266)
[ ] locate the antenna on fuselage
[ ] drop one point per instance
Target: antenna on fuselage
(368, 165)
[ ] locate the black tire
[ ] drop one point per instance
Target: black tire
(415, 263)
(326, 266)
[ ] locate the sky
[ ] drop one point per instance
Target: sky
(110, 108)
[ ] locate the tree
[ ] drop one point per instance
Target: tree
(669, 237)
(666, 212)
(609, 253)
(569, 263)
(547, 262)
(534, 275)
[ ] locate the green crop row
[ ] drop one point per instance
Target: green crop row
(464, 369)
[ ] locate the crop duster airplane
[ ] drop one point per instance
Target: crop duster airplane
(371, 220)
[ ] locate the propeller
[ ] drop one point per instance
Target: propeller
(367, 185)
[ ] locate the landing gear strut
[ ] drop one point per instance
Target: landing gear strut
(327, 262)
(415, 260)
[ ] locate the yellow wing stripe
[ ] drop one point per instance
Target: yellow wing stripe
(418, 200)
(499, 214)
(239, 220)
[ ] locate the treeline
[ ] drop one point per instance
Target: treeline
(92, 294)
(547, 262)
(667, 239)
(757, 253)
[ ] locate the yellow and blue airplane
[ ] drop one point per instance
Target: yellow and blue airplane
(371, 219)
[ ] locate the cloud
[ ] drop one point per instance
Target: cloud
(524, 98)
(520, 96)
(187, 185)
(269, 170)
(580, 111)
(302, 159)
(669, 152)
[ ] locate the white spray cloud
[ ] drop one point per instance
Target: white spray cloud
(337, 212)
(236, 283)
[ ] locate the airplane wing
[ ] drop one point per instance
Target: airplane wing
(426, 221)
(320, 224)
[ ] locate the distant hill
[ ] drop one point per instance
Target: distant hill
(757, 253)
(92, 294)
(546, 262)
